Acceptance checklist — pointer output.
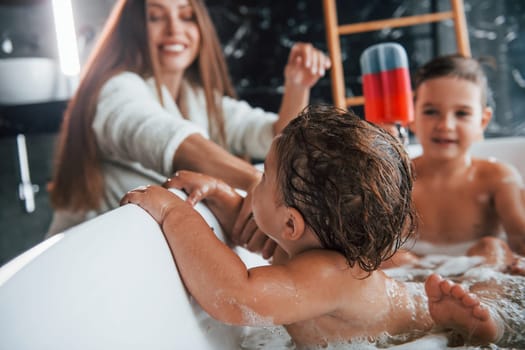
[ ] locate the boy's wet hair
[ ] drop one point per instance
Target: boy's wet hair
(457, 66)
(350, 180)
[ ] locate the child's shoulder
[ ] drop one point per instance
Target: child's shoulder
(326, 263)
(492, 169)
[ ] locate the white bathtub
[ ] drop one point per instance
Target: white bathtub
(507, 149)
(111, 283)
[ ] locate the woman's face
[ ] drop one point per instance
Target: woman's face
(173, 34)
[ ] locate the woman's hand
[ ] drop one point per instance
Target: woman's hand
(198, 186)
(306, 65)
(223, 201)
(247, 234)
(156, 200)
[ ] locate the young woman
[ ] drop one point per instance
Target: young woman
(156, 97)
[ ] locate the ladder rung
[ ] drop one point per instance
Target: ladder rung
(355, 101)
(394, 22)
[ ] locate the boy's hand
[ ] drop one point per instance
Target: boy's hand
(306, 65)
(198, 186)
(156, 200)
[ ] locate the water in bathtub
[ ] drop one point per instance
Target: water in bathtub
(506, 296)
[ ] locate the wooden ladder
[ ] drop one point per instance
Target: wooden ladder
(334, 31)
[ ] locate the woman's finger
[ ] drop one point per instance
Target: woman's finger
(133, 196)
(269, 248)
(248, 231)
(257, 241)
(242, 219)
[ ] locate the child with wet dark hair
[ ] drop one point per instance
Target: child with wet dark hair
(350, 182)
(335, 197)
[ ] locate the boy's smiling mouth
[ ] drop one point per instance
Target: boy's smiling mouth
(443, 141)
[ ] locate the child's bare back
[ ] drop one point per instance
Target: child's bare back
(360, 309)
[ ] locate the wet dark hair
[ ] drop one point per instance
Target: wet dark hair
(351, 181)
(457, 66)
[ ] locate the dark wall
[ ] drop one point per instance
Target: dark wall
(257, 36)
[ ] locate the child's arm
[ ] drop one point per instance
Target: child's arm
(509, 199)
(224, 202)
(227, 206)
(301, 289)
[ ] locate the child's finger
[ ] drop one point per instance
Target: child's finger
(134, 195)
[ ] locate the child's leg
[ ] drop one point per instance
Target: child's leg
(497, 253)
(452, 307)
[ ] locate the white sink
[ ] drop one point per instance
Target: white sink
(29, 80)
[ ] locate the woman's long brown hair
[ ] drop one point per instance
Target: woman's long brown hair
(78, 183)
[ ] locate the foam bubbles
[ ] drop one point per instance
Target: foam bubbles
(251, 317)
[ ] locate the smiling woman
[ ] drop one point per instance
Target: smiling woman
(155, 96)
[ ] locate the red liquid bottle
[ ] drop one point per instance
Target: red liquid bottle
(386, 85)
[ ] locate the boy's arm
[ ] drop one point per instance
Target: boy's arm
(510, 205)
(304, 288)
(217, 278)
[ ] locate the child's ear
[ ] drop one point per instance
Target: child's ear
(486, 117)
(294, 225)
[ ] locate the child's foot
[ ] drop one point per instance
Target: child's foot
(452, 307)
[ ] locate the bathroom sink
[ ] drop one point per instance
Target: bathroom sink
(28, 80)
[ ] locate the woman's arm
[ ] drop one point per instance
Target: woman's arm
(198, 154)
(131, 125)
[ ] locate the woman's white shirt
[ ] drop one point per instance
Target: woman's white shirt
(137, 136)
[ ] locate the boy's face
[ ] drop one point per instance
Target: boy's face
(268, 211)
(449, 116)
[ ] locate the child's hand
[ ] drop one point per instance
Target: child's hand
(306, 65)
(198, 186)
(156, 200)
